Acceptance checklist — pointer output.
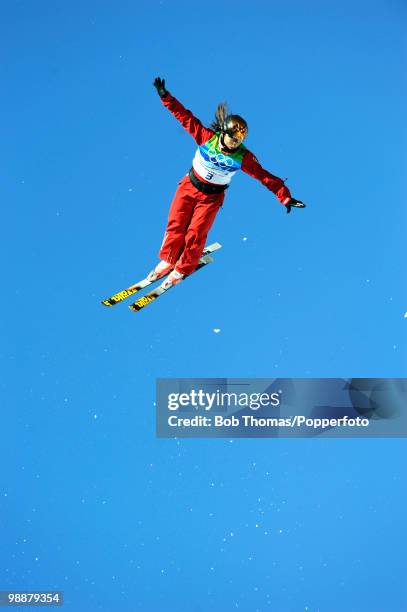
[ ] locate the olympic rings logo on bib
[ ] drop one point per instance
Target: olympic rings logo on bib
(219, 158)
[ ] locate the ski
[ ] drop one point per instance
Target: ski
(155, 293)
(125, 293)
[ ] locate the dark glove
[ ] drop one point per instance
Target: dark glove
(293, 203)
(159, 84)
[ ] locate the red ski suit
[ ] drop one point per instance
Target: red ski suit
(193, 212)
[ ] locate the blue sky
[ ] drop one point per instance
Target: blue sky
(90, 501)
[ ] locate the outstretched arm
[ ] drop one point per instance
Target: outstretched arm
(188, 121)
(251, 166)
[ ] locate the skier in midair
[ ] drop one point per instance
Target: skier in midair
(201, 192)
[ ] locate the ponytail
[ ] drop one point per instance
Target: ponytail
(220, 116)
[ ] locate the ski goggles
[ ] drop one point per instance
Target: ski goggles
(237, 132)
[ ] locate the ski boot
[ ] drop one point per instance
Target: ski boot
(159, 271)
(172, 279)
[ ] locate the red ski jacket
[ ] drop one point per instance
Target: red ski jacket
(201, 135)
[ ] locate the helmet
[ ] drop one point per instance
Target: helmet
(235, 126)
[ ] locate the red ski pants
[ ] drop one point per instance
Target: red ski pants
(191, 216)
